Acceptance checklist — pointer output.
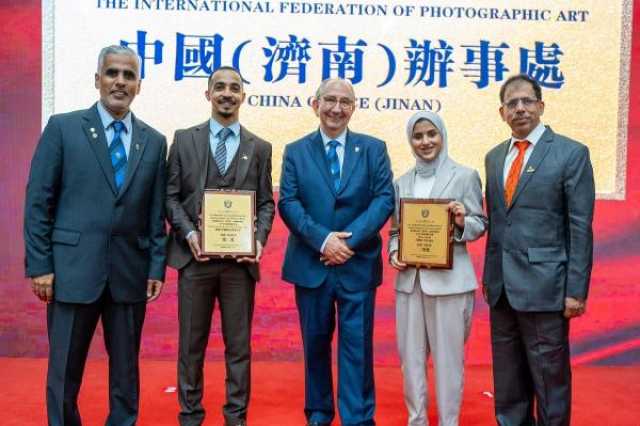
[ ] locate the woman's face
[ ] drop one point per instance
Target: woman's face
(426, 140)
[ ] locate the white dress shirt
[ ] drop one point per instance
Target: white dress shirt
(512, 153)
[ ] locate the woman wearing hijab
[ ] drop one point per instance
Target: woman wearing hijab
(434, 306)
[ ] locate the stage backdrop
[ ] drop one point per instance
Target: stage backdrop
(401, 56)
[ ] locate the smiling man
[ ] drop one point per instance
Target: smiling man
(216, 154)
(336, 192)
(540, 196)
(95, 237)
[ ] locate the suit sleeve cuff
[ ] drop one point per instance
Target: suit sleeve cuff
(324, 243)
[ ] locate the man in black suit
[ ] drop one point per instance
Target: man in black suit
(540, 196)
(95, 238)
(216, 154)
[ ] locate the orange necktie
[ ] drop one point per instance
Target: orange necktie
(514, 172)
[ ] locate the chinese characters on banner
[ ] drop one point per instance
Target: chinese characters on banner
(427, 62)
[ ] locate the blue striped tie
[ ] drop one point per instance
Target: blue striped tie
(334, 163)
(221, 149)
(118, 154)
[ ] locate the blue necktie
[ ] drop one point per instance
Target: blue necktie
(221, 149)
(118, 154)
(334, 163)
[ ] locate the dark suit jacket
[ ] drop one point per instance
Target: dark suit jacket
(78, 226)
(540, 249)
(311, 208)
(189, 157)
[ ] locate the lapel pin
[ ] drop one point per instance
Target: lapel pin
(244, 157)
(357, 149)
(530, 169)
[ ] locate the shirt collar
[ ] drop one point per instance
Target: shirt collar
(215, 127)
(107, 118)
(341, 139)
(532, 137)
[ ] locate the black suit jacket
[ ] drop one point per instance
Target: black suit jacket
(79, 227)
(189, 158)
(540, 248)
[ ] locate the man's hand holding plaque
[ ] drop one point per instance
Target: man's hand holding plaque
(193, 239)
(228, 226)
(426, 231)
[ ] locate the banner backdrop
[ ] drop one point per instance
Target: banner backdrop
(449, 57)
(608, 335)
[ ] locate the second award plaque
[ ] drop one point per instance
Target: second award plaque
(426, 230)
(228, 223)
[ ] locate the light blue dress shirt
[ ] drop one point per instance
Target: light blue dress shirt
(107, 119)
(232, 143)
(341, 139)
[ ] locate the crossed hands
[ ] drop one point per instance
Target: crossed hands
(194, 245)
(336, 251)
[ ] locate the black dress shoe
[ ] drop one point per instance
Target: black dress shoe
(239, 423)
(317, 424)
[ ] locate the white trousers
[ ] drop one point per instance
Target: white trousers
(440, 326)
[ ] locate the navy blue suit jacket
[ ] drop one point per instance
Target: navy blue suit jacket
(311, 208)
(79, 227)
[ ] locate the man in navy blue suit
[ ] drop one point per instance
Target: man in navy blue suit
(336, 193)
(95, 237)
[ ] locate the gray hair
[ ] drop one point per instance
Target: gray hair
(323, 86)
(116, 50)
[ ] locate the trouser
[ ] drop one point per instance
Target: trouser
(71, 327)
(317, 308)
(200, 286)
(438, 326)
(530, 362)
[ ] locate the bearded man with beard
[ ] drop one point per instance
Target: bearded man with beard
(216, 154)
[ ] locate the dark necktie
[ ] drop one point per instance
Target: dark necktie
(514, 172)
(118, 154)
(334, 163)
(221, 149)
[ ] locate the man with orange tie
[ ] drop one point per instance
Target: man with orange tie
(540, 196)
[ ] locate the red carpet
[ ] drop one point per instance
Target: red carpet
(603, 396)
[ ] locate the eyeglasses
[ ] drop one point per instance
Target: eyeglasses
(526, 102)
(331, 101)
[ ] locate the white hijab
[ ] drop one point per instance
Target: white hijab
(428, 168)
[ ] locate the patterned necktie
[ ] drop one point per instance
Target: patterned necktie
(334, 163)
(221, 149)
(514, 172)
(118, 154)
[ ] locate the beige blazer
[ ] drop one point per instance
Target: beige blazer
(462, 184)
